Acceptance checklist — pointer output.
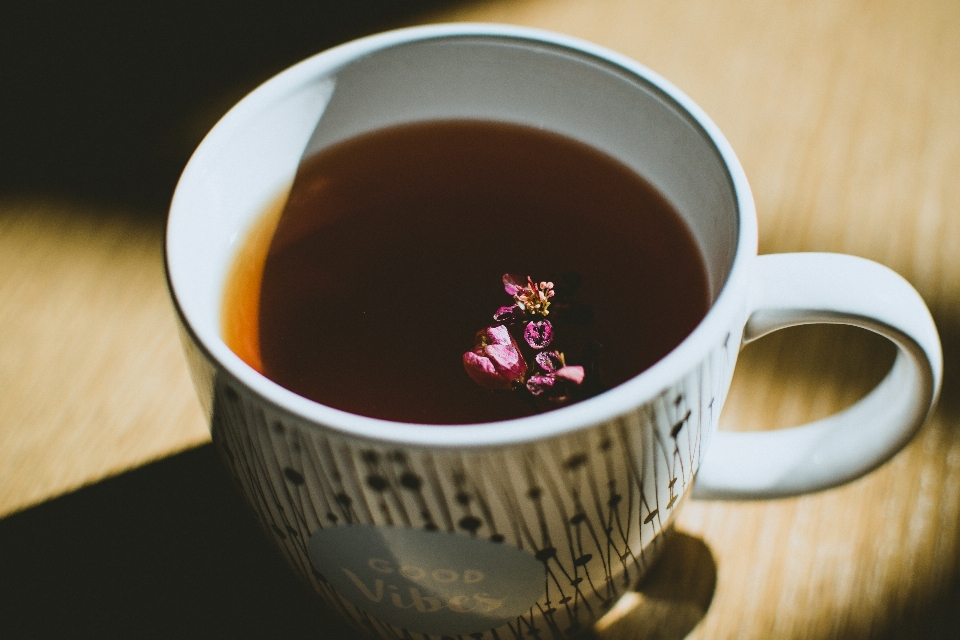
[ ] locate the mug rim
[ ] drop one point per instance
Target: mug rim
(725, 314)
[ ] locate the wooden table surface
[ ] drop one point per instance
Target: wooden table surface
(846, 117)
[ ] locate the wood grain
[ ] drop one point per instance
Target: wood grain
(93, 378)
(846, 117)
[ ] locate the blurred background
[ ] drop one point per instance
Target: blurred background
(115, 517)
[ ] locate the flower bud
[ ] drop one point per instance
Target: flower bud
(538, 385)
(495, 361)
(550, 361)
(538, 334)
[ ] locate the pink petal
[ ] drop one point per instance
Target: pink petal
(508, 361)
(512, 284)
(498, 334)
(482, 371)
(509, 314)
(573, 373)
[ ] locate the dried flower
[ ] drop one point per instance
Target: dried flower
(495, 361)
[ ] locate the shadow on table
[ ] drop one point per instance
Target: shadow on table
(104, 101)
(170, 550)
(671, 600)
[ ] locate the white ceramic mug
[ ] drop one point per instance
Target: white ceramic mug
(535, 525)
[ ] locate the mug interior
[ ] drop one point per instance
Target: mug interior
(547, 87)
(501, 74)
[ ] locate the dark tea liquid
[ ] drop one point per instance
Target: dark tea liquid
(388, 255)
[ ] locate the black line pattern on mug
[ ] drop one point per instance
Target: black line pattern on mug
(437, 487)
(579, 502)
(495, 467)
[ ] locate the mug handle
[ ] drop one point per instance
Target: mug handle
(810, 288)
